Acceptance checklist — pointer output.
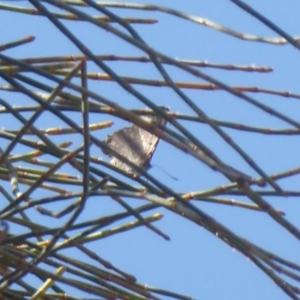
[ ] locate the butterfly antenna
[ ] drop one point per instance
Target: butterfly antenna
(174, 178)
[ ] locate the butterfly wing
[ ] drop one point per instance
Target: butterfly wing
(134, 143)
(149, 140)
(127, 142)
(149, 144)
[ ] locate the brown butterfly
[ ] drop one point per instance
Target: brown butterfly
(134, 143)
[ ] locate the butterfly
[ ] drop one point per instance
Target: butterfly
(134, 143)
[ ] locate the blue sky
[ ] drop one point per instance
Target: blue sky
(194, 262)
